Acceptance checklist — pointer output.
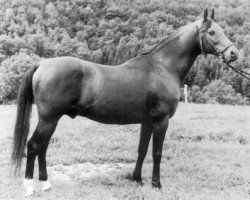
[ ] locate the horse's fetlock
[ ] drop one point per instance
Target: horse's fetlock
(43, 177)
(157, 156)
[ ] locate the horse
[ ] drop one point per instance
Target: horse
(143, 90)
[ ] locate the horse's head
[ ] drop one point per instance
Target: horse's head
(214, 41)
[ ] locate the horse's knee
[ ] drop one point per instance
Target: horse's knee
(142, 153)
(157, 156)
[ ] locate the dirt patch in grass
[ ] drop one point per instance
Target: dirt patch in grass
(84, 171)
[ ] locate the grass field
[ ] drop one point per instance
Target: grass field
(206, 156)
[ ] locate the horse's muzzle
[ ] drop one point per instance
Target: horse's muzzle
(231, 54)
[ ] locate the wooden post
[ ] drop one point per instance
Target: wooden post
(185, 93)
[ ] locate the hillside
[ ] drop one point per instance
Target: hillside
(111, 32)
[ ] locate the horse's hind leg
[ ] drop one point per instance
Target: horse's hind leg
(37, 145)
(43, 175)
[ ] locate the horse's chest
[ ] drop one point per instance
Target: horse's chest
(162, 104)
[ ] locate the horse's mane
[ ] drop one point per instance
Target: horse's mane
(159, 44)
(169, 38)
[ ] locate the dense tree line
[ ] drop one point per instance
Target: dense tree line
(112, 31)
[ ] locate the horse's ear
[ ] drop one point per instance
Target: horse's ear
(205, 15)
(212, 15)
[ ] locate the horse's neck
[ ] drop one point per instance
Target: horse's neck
(178, 54)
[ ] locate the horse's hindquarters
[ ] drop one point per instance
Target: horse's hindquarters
(57, 87)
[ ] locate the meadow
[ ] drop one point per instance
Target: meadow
(206, 155)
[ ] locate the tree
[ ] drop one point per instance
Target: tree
(11, 73)
(219, 92)
(111, 32)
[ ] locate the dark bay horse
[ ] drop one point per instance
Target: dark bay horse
(143, 90)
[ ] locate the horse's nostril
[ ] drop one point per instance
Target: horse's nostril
(233, 54)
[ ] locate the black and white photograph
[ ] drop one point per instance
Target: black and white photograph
(124, 100)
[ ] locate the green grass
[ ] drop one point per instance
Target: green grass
(206, 156)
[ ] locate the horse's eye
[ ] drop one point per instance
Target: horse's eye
(211, 32)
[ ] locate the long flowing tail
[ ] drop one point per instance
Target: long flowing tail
(24, 108)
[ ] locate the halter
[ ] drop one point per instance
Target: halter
(219, 54)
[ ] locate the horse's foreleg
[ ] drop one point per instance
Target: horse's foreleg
(145, 135)
(159, 132)
(37, 145)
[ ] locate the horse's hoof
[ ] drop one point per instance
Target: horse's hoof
(134, 178)
(138, 179)
(46, 186)
(28, 184)
(156, 184)
(140, 183)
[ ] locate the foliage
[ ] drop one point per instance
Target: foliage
(111, 32)
(196, 95)
(11, 72)
(216, 92)
(219, 92)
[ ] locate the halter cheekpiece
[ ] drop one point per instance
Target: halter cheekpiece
(219, 54)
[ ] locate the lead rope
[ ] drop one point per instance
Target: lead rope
(239, 71)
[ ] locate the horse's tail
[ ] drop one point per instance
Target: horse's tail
(24, 108)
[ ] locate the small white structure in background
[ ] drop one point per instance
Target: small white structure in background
(186, 93)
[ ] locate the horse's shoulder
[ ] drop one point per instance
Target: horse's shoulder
(163, 91)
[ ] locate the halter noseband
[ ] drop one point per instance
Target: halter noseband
(219, 54)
